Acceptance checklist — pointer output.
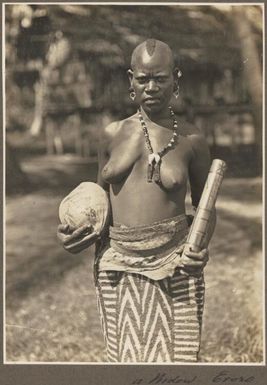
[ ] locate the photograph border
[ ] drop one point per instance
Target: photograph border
(46, 373)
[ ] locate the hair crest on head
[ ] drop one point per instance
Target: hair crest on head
(151, 46)
(152, 49)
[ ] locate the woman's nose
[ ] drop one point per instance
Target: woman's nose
(152, 86)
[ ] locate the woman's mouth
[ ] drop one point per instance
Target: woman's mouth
(152, 100)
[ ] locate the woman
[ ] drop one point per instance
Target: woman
(150, 299)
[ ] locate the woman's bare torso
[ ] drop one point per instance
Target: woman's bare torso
(134, 201)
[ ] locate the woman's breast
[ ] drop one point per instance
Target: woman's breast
(116, 170)
(128, 159)
(122, 159)
(173, 174)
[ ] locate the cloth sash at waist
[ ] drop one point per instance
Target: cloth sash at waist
(151, 250)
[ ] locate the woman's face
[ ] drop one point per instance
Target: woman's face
(153, 84)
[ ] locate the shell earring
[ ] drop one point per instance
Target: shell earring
(176, 92)
(132, 94)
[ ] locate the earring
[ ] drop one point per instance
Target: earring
(132, 94)
(176, 92)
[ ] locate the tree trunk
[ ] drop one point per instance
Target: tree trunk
(16, 180)
(252, 73)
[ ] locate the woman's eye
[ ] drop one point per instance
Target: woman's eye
(142, 80)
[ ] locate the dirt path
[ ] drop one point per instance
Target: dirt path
(51, 308)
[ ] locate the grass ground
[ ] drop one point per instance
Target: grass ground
(50, 301)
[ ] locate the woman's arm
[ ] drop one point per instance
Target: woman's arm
(75, 240)
(102, 160)
(192, 263)
(199, 166)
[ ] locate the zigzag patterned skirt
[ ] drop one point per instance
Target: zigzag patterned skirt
(150, 321)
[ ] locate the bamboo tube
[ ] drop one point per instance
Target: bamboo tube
(205, 207)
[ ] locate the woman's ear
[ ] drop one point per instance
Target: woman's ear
(177, 73)
(130, 75)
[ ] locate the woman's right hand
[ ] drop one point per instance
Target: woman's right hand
(75, 240)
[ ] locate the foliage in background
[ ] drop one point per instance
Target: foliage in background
(66, 72)
(203, 39)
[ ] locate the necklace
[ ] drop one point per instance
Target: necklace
(154, 158)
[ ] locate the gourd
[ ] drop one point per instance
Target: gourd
(88, 204)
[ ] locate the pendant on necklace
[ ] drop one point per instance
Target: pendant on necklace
(154, 158)
(153, 169)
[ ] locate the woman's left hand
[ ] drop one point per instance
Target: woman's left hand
(192, 263)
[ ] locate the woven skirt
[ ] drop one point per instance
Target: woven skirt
(144, 320)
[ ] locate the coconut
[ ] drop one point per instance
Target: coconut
(87, 204)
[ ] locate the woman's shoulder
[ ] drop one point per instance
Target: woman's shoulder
(194, 135)
(188, 129)
(116, 127)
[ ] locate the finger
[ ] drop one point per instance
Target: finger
(191, 272)
(180, 263)
(62, 228)
(85, 241)
(194, 264)
(66, 236)
(82, 230)
(197, 254)
(199, 259)
(61, 237)
(183, 272)
(79, 233)
(203, 254)
(179, 250)
(194, 258)
(65, 239)
(75, 251)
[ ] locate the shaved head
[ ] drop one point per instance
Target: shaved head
(151, 50)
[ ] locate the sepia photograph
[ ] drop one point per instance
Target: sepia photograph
(133, 196)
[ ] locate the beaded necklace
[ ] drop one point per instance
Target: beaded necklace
(154, 158)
